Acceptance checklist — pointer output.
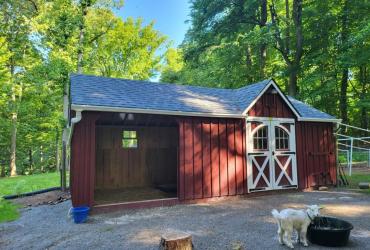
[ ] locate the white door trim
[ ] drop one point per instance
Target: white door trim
(271, 154)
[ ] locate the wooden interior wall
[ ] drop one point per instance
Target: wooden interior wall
(271, 105)
(211, 158)
(82, 172)
(153, 162)
(315, 153)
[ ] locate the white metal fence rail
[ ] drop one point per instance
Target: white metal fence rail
(350, 145)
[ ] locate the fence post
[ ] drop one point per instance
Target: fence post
(350, 156)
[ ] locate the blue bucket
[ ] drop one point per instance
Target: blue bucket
(80, 214)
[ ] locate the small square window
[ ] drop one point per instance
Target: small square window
(129, 139)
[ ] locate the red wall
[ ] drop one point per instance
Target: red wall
(211, 158)
(271, 105)
(82, 174)
(315, 152)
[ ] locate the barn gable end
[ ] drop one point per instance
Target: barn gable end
(271, 104)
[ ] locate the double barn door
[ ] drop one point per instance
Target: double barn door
(271, 154)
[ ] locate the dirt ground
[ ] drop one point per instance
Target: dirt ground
(52, 197)
(244, 223)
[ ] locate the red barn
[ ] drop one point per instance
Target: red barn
(137, 143)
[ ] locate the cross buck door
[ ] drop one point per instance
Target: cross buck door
(271, 158)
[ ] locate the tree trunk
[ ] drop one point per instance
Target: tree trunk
(295, 67)
(343, 102)
(80, 47)
(2, 173)
(63, 177)
(343, 96)
(287, 31)
(13, 141)
(293, 79)
(41, 159)
(284, 46)
(30, 161)
(364, 112)
(263, 46)
(249, 63)
(57, 160)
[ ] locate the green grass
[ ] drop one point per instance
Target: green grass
(23, 184)
(356, 178)
(8, 211)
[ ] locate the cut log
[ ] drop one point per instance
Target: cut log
(364, 185)
(176, 241)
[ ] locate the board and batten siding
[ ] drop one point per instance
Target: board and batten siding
(211, 158)
(83, 151)
(316, 153)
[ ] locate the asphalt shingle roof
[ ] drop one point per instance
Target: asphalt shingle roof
(121, 93)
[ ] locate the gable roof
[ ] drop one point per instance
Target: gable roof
(122, 95)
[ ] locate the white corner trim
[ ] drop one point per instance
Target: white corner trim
(272, 82)
(151, 111)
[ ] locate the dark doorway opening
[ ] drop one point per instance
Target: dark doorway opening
(136, 158)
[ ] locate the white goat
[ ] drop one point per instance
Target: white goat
(290, 219)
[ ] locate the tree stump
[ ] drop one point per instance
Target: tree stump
(176, 241)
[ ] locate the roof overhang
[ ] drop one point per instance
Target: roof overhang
(304, 119)
(78, 107)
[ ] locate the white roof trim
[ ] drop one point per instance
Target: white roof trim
(304, 119)
(272, 82)
(77, 107)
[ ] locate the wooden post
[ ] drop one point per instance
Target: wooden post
(350, 159)
(57, 160)
(176, 241)
(63, 177)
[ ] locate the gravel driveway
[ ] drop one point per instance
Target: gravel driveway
(243, 223)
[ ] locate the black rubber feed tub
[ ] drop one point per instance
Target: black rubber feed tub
(329, 231)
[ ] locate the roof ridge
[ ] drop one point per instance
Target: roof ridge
(150, 82)
(172, 84)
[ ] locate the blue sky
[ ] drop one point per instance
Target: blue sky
(169, 16)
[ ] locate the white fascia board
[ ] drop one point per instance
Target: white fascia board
(77, 107)
(303, 119)
(272, 82)
(259, 118)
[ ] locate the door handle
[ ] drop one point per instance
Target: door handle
(273, 152)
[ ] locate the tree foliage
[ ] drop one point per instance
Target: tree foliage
(318, 51)
(41, 45)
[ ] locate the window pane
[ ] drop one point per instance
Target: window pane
(260, 140)
(129, 143)
(129, 134)
(281, 139)
(129, 139)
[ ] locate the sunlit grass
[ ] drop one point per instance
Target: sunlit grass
(8, 211)
(23, 184)
(356, 178)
